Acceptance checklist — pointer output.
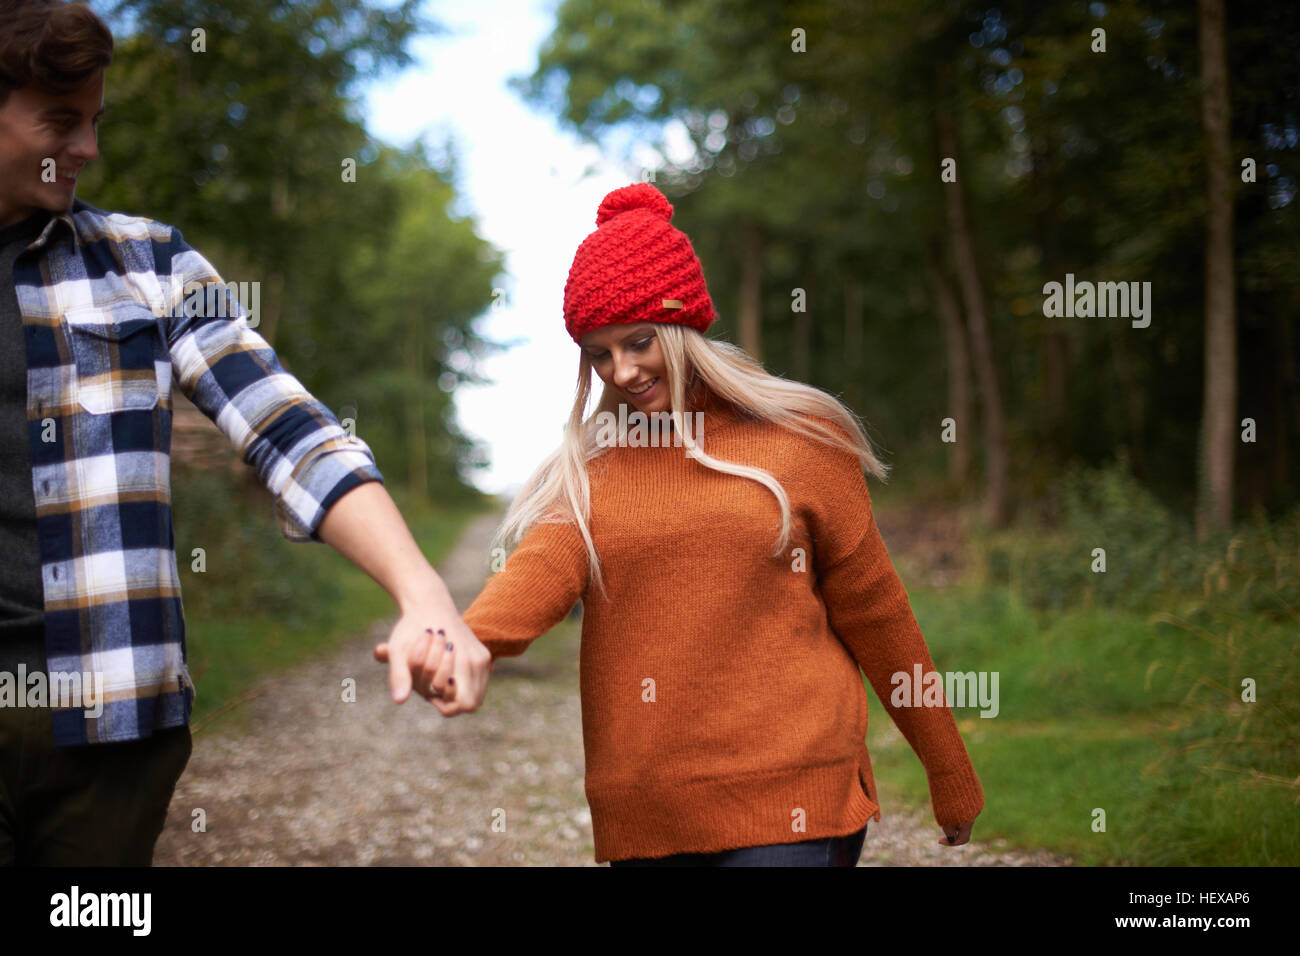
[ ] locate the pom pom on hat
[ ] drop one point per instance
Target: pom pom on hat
(637, 196)
(636, 267)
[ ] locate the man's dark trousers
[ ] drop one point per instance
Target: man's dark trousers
(96, 805)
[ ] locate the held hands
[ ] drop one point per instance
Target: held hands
(433, 651)
(430, 647)
(956, 836)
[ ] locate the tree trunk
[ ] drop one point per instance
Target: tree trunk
(281, 199)
(1130, 383)
(1218, 415)
(997, 503)
(961, 406)
(417, 440)
(1054, 347)
(751, 294)
(270, 303)
(1285, 382)
(802, 336)
(853, 306)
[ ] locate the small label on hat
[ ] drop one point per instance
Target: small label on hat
(672, 303)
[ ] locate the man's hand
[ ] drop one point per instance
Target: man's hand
(433, 651)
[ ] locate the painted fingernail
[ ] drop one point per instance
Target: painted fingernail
(449, 647)
(428, 630)
(451, 680)
(441, 632)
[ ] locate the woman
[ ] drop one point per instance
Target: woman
(732, 580)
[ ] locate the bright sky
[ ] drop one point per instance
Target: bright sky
(523, 181)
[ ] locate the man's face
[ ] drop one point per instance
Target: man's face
(35, 127)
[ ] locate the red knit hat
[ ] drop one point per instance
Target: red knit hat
(635, 268)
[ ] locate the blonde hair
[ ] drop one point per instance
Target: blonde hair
(560, 490)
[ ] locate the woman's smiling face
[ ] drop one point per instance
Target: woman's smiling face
(628, 358)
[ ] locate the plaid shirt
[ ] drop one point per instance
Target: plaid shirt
(107, 331)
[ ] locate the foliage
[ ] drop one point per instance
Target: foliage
(368, 286)
(1152, 557)
(1072, 162)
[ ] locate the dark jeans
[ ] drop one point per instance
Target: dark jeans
(98, 805)
(830, 851)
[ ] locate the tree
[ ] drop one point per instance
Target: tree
(1219, 414)
(368, 281)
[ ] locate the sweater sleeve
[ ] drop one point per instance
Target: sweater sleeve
(868, 609)
(541, 582)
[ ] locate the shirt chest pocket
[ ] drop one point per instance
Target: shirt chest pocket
(117, 350)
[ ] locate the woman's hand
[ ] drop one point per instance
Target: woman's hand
(432, 651)
(956, 836)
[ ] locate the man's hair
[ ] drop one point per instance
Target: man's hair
(51, 45)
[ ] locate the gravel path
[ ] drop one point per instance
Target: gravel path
(324, 782)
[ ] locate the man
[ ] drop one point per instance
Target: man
(94, 333)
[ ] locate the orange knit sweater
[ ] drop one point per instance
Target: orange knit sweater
(722, 705)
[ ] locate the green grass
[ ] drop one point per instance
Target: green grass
(264, 604)
(1123, 712)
